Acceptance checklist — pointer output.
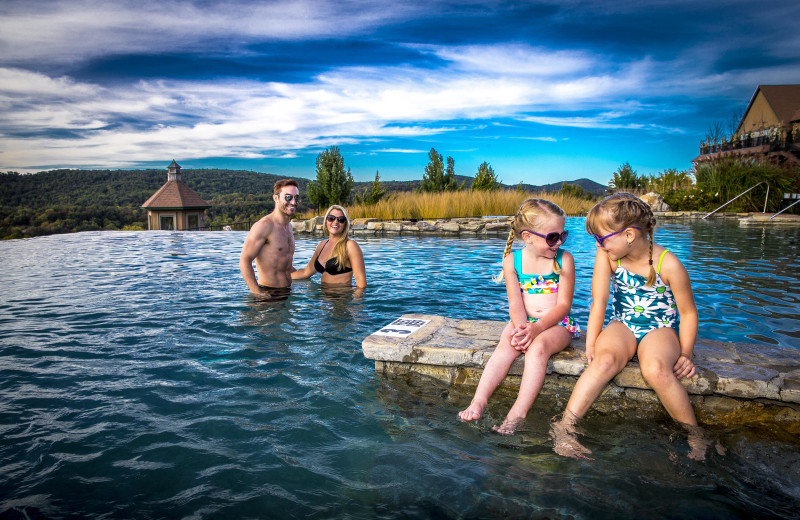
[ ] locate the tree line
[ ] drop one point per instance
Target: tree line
(334, 182)
(62, 201)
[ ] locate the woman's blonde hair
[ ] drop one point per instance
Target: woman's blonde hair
(340, 248)
(620, 211)
(529, 216)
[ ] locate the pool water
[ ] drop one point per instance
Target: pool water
(141, 380)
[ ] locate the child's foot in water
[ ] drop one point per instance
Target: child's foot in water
(509, 426)
(473, 412)
(565, 439)
(699, 442)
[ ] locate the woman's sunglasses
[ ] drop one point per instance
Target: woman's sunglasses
(341, 220)
(551, 238)
(600, 239)
(288, 198)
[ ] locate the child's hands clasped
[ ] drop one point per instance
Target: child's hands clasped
(683, 367)
(522, 336)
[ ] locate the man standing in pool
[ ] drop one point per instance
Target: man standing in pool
(271, 244)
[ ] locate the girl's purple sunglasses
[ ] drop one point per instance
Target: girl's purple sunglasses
(601, 239)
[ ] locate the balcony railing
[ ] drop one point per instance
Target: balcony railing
(776, 139)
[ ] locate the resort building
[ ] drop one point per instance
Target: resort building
(175, 206)
(770, 127)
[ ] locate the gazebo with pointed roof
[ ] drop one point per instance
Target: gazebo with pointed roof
(175, 206)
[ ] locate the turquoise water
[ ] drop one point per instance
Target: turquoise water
(140, 380)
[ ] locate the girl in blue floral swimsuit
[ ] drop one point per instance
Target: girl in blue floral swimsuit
(538, 305)
(650, 300)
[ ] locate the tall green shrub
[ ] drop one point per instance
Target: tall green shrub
(374, 195)
(435, 178)
(724, 179)
(668, 180)
(625, 178)
(334, 183)
(485, 179)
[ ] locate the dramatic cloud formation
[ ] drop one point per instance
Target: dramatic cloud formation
(544, 91)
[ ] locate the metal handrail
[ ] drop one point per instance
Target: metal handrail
(784, 209)
(739, 195)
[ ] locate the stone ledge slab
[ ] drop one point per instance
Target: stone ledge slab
(746, 380)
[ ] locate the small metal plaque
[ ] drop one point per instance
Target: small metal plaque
(401, 328)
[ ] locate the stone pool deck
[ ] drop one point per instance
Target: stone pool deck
(735, 383)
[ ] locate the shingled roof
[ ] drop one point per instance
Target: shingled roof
(175, 195)
(784, 100)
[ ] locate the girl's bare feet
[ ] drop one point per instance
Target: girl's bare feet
(509, 426)
(565, 437)
(473, 412)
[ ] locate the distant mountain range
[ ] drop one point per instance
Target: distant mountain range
(133, 187)
(588, 186)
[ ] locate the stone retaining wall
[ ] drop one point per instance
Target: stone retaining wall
(735, 383)
(499, 226)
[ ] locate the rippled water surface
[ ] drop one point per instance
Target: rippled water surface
(140, 380)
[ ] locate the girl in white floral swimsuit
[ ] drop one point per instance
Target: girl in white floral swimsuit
(538, 306)
(649, 303)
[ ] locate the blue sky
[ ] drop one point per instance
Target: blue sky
(543, 91)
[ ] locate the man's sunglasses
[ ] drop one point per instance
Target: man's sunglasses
(600, 239)
(288, 198)
(551, 238)
(341, 220)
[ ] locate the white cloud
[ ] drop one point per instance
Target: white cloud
(65, 30)
(545, 139)
(400, 150)
(514, 59)
(249, 119)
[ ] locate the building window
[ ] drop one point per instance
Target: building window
(167, 223)
(192, 219)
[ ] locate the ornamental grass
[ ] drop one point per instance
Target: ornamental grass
(456, 204)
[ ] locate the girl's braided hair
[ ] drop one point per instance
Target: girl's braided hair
(622, 210)
(529, 216)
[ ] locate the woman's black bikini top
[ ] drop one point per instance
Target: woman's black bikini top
(331, 267)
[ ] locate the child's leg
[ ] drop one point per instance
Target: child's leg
(494, 372)
(549, 342)
(658, 352)
(615, 346)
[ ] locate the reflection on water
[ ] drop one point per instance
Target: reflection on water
(141, 380)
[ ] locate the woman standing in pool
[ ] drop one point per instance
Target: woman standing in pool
(538, 305)
(338, 258)
(651, 295)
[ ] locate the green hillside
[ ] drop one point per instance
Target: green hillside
(62, 201)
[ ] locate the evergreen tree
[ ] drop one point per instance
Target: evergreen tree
(334, 183)
(625, 178)
(374, 195)
(435, 179)
(485, 179)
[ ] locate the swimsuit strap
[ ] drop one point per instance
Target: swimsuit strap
(661, 259)
(518, 260)
(323, 248)
(658, 268)
(318, 267)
